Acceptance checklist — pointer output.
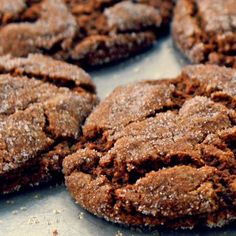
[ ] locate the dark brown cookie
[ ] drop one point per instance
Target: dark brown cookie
(91, 32)
(43, 103)
(161, 153)
(205, 31)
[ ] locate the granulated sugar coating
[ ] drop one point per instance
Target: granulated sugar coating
(89, 32)
(43, 103)
(205, 31)
(161, 153)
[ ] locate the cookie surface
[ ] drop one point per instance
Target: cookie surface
(43, 103)
(161, 153)
(205, 31)
(91, 32)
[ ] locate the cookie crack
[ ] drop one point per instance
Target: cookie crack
(38, 97)
(59, 82)
(28, 14)
(165, 160)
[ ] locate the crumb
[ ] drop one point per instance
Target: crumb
(15, 212)
(49, 222)
(33, 220)
(23, 208)
(54, 232)
(36, 196)
(81, 215)
(56, 211)
(119, 233)
(10, 202)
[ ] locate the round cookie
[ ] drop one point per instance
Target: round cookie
(91, 32)
(43, 103)
(205, 31)
(161, 153)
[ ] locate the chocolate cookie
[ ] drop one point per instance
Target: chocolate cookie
(91, 32)
(161, 153)
(43, 103)
(205, 31)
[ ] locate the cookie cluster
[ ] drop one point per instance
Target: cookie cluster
(160, 153)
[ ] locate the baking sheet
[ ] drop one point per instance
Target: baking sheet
(51, 211)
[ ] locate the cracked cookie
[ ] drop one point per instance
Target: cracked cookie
(204, 30)
(91, 32)
(161, 153)
(43, 103)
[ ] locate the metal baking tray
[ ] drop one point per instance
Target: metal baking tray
(50, 210)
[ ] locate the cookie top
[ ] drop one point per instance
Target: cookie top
(205, 31)
(43, 102)
(86, 32)
(161, 153)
